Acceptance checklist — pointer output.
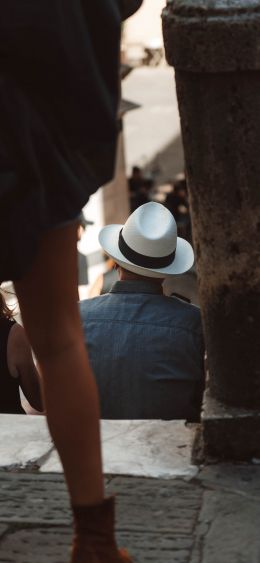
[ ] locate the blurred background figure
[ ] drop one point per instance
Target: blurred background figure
(105, 280)
(177, 202)
(82, 258)
(17, 369)
(142, 42)
(139, 186)
(153, 52)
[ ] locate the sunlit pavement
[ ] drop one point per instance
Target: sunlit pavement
(151, 129)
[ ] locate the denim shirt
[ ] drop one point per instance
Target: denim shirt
(146, 351)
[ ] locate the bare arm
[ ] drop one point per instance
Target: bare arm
(21, 364)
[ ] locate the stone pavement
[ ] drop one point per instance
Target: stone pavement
(214, 518)
(154, 519)
(168, 510)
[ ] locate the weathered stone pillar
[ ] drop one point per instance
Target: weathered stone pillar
(214, 46)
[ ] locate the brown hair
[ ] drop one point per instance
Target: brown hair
(5, 312)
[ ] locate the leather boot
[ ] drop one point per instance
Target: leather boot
(94, 540)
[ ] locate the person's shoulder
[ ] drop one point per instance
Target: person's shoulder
(185, 312)
(92, 304)
(185, 305)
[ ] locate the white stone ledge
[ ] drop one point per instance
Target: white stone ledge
(147, 448)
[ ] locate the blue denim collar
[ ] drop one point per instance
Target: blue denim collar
(136, 286)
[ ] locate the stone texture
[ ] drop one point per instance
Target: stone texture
(228, 524)
(233, 528)
(23, 440)
(149, 448)
(3, 529)
(43, 544)
(36, 544)
(155, 518)
(225, 213)
(220, 119)
(212, 35)
(213, 519)
(151, 504)
(229, 432)
(32, 498)
(241, 479)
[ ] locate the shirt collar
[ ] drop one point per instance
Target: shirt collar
(136, 286)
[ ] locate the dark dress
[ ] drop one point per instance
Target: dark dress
(58, 104)
(9, 386)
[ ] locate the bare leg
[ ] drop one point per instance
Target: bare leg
(48, 301)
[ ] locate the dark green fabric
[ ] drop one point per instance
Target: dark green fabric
(58, 102)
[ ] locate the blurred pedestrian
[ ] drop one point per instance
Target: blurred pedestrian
(83, 279)
(105, 280)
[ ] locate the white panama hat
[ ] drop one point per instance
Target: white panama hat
(147, 243)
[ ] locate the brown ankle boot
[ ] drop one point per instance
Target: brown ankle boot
(94, 540)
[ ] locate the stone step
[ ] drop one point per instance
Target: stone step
(145, 448)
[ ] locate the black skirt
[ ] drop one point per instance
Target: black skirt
(58, 102)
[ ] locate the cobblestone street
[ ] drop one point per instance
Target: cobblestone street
(156, 519)
(213, 518)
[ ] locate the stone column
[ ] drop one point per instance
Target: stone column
(116, 207)
(214, 46)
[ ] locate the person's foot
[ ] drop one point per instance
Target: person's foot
(94, 540)
(124, 556)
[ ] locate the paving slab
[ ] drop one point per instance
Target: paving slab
(157, 505)
(29, 498)
(228, 524)
(230, 528)
(155, 518)
(210, 518)
(242, 479)
(3, 529)
(148, 448)
(23, 440)
(29, 545)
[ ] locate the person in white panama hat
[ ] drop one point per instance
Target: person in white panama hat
(146, 349)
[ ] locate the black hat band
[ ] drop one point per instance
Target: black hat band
(142, 260)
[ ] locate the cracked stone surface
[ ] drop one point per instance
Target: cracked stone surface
(23, 440)
(228, 524)
(155, 518)
(148, 448)
(213, 518)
